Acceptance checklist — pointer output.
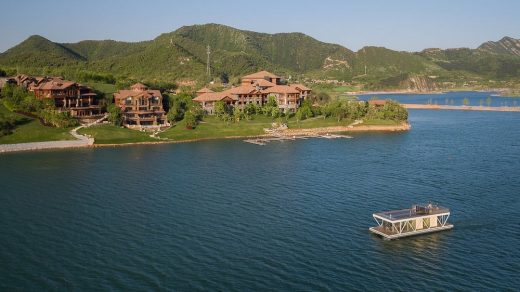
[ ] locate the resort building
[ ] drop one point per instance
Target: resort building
(258, 76)
(208, 99)
(256, 88)
(142, 108)
(80, 101)
(287, 97)
(304, 90)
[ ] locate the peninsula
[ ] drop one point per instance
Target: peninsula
(261, 105)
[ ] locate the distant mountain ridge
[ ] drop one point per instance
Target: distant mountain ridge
(182, 54)
(507, 46)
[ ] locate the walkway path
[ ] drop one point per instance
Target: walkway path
(82, 141)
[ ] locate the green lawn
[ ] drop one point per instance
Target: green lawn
(30, 130)
(317, 122)
(107, 89)
(379, 122)
(213, 127)
(109, 134)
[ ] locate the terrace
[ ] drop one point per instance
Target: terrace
(415, 211)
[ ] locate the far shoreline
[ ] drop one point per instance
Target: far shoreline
(410, 92)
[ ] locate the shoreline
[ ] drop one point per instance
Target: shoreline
(354, 93)
(405, 126)
(286, 133)
(380, 92)
(461, 107)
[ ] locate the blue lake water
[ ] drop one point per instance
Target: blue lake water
(226, 215)
(475, 98)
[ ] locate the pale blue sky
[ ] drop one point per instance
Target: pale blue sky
(397, 24)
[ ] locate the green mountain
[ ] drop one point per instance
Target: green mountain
(182, 54)
(38, 51)
(476, 61)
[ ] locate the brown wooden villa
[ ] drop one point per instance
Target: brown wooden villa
(80, 101)
(142, 108)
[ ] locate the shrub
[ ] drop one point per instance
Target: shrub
(58, 119)
(190, 119)
(7, 125)
(115, 115)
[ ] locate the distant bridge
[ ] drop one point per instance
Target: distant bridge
(463, 107)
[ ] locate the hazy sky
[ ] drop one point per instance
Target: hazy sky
(395, 24)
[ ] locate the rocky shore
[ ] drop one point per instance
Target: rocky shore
(341, 129)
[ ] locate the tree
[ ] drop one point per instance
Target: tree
(7, 125)
(58, 119)
(275, 112)
(224, 78)
(237, 114)
(115, 115)
(190, 120)
(304, 112)
(322, 97)
(175, 114)
(7, 90)
(298, 115)
(270, 109)
(271, 101)
(250, 109)
(220, 108)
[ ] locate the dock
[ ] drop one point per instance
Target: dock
(264, 141)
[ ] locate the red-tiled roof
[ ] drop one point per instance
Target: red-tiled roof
(264, 83)
(214, 96)
(204, 90)
(260, 75)
(377, 102)
(281, 89)
(138, 86)
(125, 93)
(300, 86)
(242, 89)
(54, 83)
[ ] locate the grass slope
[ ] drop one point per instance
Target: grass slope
(109, 134)
(30, 130)
(212, 127)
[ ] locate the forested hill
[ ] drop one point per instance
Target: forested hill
(182, 54)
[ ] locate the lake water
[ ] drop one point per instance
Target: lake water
(227, 215)
(475, 98)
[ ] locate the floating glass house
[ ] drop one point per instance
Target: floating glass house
(419, 219)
